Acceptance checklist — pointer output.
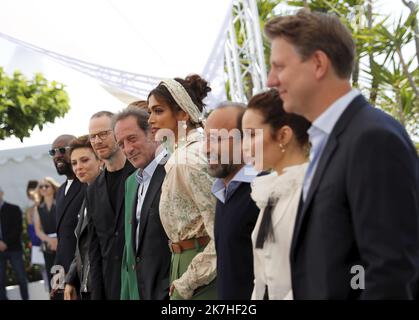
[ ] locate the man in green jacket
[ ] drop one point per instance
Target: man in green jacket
(146, 260)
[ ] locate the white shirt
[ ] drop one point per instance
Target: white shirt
(145, 175)
(271, 263)
(222, 192)
(319, 133)
(67, 186)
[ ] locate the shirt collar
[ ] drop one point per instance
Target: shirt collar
(246, 174)
(142, 175)
(327, 120)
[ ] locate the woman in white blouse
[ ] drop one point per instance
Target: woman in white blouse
(285, 151)
(187, 207)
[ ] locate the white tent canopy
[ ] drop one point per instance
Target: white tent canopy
(18, 166)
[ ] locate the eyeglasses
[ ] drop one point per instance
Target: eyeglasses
(61, 150)
(44, 186)
(101, 135)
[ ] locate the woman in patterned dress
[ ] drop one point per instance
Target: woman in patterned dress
(187, 207)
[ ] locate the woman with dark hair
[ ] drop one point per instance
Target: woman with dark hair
(285, 151)
(45, 222)
(86, 166)
(187, 208)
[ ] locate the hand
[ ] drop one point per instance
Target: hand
(171, 289)
(70, 292)
(3, 246)
(52, 244)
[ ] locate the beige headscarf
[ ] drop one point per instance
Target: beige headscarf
(183, 99)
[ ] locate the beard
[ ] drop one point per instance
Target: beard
(64, 169)
(108, 155)
(221, 170)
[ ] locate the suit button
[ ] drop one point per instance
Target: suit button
(137, 259)
(116, 257)
(133, 267)
(116, 234)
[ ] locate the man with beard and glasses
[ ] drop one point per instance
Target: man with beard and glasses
(68, 202)
(236, 213)
(105, 204)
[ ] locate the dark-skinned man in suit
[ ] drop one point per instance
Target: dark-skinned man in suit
(68, 202)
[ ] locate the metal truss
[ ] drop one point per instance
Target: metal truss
(243, 53)
(136, 84)
(244, 57)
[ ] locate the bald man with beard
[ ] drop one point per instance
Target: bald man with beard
(236, 213)
(69, 199)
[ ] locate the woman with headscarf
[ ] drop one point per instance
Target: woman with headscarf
(187, 207)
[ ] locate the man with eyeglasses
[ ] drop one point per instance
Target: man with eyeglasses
(68, 202)
(105, 204)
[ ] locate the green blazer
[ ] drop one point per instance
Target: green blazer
(145, 272)
(129, 283)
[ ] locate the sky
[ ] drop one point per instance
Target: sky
(161, 38)
(86, 94)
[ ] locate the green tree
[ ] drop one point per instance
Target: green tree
(25, 104)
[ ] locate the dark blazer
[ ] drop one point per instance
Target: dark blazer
(234, 222)
(145, 272)
(67, 209)
(361, 209)
(11, 226)
(106, 229)
(78, 275)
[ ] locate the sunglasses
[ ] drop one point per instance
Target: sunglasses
(61, 150)
(44, 186)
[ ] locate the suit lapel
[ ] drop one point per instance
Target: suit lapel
(60, 199)
(71, 193)
(85, 220)
(127, 170)
(103, 213)
(80, 222)
(327, 155)
(152, 191)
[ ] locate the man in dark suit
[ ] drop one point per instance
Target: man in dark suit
(11, 247)
(357, 229)
(236, 212)
(69, 199)
(105, 204)
(146, 260)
